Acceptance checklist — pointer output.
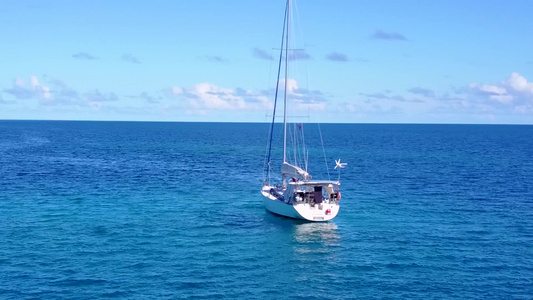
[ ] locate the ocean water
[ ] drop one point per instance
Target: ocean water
(139, 210)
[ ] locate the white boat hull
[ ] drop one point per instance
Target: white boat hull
(304, 211)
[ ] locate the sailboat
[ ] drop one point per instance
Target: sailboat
(297, 195)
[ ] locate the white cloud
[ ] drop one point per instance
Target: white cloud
(96, 106)
(292, 86)
(210, 96)
(19, 82)
(177, 90)
(19, 90)
(43, 91)
(34, 81)
(490, 89)
(511, 96)
(95, 96)
(207, 96)
(505, 99)
(300, 105)
(520, 84)
(2, 101)
(525, 109)
(303, 99)
(46, 92)
(494, 92)
(347, 107)
(58, 94)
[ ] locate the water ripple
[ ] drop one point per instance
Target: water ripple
(171, 211)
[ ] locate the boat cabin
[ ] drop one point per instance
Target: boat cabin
(312, 192)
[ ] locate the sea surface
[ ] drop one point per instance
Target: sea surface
(134, 210)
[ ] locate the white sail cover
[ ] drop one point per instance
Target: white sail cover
(294, 171)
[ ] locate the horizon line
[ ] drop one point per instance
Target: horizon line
(260, 122)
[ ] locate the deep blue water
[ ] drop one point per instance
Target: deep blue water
(172, 210)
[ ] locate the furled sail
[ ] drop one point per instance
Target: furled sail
(294, 171)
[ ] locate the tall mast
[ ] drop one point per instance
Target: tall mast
(286, 77)
(267, 170)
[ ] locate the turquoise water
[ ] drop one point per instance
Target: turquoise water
(173, 210)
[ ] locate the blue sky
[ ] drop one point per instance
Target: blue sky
(210, 60)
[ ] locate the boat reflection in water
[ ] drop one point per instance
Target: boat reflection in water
(316, 237)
